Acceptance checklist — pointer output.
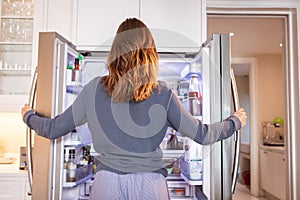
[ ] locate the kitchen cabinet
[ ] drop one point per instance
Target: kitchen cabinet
(14, 187)
(273, 170)
(177, 25)
(98, 20)
(15, 53)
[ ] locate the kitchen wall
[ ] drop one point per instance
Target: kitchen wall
(270, 88)
(12, 132)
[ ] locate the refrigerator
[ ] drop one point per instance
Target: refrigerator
(55, 86)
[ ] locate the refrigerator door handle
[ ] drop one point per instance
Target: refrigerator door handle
(237, 140)
(28, 131)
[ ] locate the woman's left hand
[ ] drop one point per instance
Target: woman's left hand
(241, 114)
(25, 108)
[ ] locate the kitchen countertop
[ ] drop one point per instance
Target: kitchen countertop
(278, 149)
(245, 148)
(12, 169)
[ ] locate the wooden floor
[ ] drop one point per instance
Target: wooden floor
(242, 192)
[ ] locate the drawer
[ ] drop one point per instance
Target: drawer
(179, 189)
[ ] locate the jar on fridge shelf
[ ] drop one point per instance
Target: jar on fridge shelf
(173, 141)
(192, 150)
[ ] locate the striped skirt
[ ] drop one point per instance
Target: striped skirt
(147, 186)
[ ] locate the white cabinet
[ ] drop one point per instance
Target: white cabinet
(266, 169)
(176, 25)
(273, 172)
(14, 188)
(280, 174)
(10, 190)
(98, 20)
(15, 53)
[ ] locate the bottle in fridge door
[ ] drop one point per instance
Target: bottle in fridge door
(195, 97)
(71, 167)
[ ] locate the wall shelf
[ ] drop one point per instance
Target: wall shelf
(14, 72)
(15, 43)
(16, 17)
(16, 24)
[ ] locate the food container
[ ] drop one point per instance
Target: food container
(192, 169)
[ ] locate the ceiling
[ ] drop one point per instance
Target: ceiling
(253, 35)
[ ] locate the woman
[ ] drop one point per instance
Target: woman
(128, 113)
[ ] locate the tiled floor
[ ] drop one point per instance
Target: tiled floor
(242, 192)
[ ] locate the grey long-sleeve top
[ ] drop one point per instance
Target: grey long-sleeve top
(127, 135)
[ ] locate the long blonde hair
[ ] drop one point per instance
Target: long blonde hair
(132, 63)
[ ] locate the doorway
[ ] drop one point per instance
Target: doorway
(258, 43)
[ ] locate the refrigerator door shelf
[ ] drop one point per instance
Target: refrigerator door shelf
(190, 69)
(83, 174)
(191, 182)
(191, 171)
(79, 137)
(74, 89)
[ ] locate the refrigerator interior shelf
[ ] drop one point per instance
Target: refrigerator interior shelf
(191, 182)
(83, 174)
(74, 89)
(173, 152)
(74, 143)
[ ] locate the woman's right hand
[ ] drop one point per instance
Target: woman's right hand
(241, 114)
(25, 108)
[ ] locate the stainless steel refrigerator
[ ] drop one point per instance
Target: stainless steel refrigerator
(52, 92)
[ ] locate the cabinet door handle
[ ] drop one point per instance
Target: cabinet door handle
(265, 152)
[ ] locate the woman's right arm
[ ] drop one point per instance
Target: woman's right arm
(181, 120)
(59, 125)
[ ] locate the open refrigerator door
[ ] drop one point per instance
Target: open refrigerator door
(182, 156)
(201, 171)
(61, 168)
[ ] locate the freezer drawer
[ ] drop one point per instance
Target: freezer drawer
(178, 188)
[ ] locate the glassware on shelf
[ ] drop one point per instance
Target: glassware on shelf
(16, 30)
(16, 26)
(16, 66)
(23, 8)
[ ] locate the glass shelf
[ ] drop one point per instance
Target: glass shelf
(74, 89)
(15, 43)
(15, 71)
(16, 17)
(191, 182)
